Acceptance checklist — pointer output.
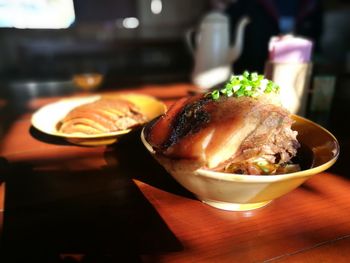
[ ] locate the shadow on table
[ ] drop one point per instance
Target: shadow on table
(133, 158)
(99, 214)
(47, 138)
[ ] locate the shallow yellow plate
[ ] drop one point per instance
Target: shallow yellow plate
(47, 117)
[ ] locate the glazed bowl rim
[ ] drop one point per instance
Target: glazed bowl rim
(231, 177)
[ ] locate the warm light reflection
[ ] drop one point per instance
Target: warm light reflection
(248, 214)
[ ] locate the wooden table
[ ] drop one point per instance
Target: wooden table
(66, 203)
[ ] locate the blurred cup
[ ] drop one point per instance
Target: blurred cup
(294, 81)
(321, 98)
(88, 81)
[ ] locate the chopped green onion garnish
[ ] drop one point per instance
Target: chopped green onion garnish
(248, 85)
(215, 94)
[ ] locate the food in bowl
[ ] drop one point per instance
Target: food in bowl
(200, 138)
(243, 131)
(102, 116)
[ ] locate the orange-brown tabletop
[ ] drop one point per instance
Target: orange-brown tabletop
(115, 203)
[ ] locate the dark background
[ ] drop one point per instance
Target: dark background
(156, 51)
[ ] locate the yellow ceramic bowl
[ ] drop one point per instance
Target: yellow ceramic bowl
(47, 117)
(236, 192)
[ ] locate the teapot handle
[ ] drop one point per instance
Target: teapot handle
(189, 39)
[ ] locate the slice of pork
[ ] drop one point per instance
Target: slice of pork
(213, 133)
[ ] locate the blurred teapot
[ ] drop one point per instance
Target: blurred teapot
(213, 53)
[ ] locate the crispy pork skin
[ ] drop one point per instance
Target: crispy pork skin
(212, 133)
